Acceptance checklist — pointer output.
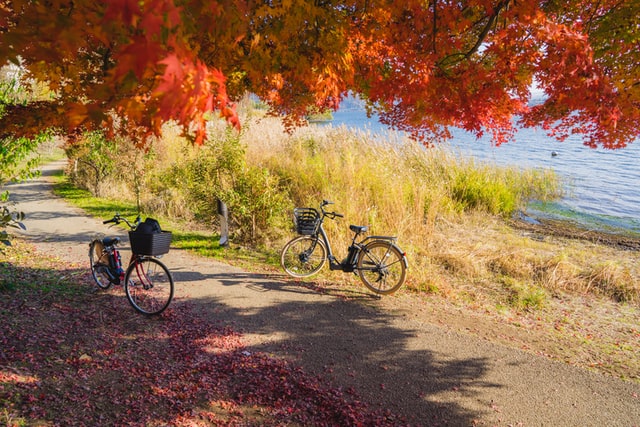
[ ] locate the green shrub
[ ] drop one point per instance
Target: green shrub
(93, 159)
(219, 171)
(258, 207)
(479, 189)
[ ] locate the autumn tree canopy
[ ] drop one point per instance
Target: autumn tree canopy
(424, 66)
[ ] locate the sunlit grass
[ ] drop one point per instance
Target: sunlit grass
(450, 214)
(99, 207)
(201, 242)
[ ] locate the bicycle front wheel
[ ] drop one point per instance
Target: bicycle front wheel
(99, 261)
(382, 267)
(303, 256)
(149, 285)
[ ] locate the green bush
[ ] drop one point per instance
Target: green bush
(94, 159)
(499, 190)
(478, 189)
(254, 198)
(258, 207)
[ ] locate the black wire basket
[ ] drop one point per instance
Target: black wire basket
(153, 244)
(306, 220)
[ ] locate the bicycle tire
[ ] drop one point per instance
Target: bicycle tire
(303, 256)
(148, 285)
(99, 261)
(382, 267)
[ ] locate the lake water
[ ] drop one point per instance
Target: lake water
(601, 186)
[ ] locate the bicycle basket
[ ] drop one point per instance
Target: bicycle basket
(306, 220)
(150, 243)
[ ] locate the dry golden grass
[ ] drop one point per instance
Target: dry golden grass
(481, 259)
(450, 215)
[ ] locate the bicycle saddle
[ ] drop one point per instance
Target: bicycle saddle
(110, 241)
(358, 228)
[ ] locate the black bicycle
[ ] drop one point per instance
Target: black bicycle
(147, 281)
(380, 263)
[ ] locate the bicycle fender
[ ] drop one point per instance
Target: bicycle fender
(404, 255)
(392, 239)
(404, 258)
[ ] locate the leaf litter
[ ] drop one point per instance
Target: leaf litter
(72, 356)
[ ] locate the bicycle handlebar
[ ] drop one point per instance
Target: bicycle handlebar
(331, 215)
(117, 219)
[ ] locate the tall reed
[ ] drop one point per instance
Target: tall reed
(447, 211)
(394, 186)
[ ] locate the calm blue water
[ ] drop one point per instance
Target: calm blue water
(601, 186)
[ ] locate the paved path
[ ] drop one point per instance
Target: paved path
(395, 359)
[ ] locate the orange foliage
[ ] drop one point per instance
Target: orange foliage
(424, 66)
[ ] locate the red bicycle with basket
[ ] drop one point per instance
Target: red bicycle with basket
(147, 281)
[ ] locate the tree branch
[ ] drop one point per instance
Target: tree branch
(487, 28)
(435, 24)
(461, 56)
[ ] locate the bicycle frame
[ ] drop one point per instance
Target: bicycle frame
(142, 274)
(354, 249)
(134, 259)
(377, 260)
(147, 282)
(116, 259)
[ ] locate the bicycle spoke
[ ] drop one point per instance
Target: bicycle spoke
(381, 267)
(303, 256)
(99, 262)
(149, 286)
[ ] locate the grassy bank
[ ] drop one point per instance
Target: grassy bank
(584, 328)
(451, 215)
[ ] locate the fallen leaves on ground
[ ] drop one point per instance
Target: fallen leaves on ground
(72, 355)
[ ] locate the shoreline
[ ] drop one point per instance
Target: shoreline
(540, 227)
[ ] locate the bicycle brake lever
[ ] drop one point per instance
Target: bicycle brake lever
(115, 220)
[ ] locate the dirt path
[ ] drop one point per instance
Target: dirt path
(388, 350)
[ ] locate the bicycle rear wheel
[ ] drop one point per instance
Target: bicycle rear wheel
(382, 267)
(148, 285)
(303, 256)
(99, 261)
